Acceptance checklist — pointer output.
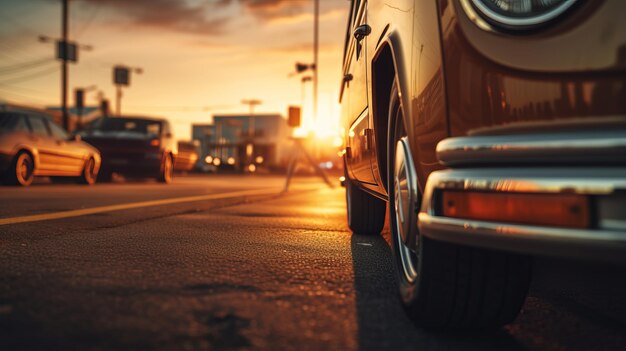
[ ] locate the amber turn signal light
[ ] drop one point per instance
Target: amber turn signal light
(558, 210)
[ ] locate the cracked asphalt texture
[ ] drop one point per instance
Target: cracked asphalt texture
(279, 272)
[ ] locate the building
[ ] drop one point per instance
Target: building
(238, 141)
(202, 135)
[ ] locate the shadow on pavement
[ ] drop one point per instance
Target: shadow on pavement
(382, 322)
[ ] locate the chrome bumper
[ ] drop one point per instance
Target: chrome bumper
(606, 186)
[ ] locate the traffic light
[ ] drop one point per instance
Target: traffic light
(294, 117)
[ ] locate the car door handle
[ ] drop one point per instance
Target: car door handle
(362, 31)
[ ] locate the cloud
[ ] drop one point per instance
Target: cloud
(284, 10)
(213, 17)
(170, 14)
(273, 9)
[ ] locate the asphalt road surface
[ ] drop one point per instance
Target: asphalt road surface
(228, 263)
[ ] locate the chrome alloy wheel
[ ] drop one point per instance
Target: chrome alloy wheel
(405, 205)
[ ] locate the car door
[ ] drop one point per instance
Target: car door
(68, 154)
(42, 141)
(359, 138)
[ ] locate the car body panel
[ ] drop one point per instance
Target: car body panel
(52, 156)
(417, 60)
(589, 38)
(483, 93)
(355, 98)
(472, 90)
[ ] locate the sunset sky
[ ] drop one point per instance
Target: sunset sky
(199, 57)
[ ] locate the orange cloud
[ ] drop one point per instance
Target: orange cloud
(169, 14)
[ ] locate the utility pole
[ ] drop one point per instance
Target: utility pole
(118, 100)
(316, 29)
(66, 51)
(64, 25)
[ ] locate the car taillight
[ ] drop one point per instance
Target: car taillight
(155, 142)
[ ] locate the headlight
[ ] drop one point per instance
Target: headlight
(521, 14)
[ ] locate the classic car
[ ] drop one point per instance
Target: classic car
(31, 144)
(493, 131)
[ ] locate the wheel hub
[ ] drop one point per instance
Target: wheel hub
(405, 191)
(405, 206)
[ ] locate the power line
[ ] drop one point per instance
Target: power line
(94, 14)
(28, 98)
(9, 47)
(23, 89)
(25, 65)
(31, 76)
(18, 24)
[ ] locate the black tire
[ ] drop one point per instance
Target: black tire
(89, 175)
(166, 173)
(454, 286)
(22, 170)
(366, 213)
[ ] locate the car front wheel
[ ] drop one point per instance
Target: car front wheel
(90, 172)
(443, 285)
(22, 170)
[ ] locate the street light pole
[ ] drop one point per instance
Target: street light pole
(118, 101)
(64, 31)
(121, 77)
(316, 27)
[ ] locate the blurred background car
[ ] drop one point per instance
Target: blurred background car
(133, 146)
(31, 144)
(187, 157)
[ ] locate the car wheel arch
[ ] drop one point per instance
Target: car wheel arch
(386, 68)
(32, 152)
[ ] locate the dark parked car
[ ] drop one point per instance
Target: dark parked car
(187, 157)
(494, 131)
(133, 146)
(32, 145)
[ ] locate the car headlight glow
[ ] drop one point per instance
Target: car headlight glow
(521, 14)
